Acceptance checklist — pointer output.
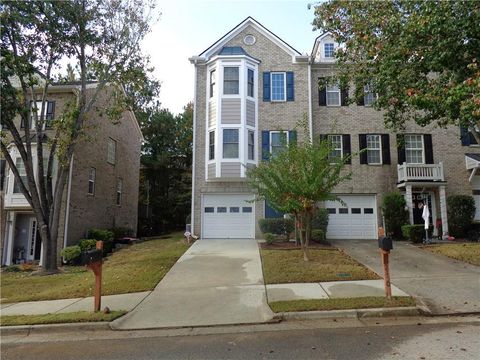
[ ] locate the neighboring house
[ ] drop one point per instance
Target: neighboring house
(102, 185)
(251, 89)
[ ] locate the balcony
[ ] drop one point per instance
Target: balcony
(420, 172)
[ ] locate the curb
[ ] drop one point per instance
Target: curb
(353, 313)
(44, 328)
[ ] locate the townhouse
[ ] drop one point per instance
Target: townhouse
(252, 88)
(102, 186)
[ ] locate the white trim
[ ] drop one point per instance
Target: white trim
(286, 132)
(332, 91)
(192, 208)
(310, 120)
(423, 148)
(329, 137)
(380, 148)
(284, 86)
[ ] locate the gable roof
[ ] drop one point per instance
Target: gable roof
(249, 21)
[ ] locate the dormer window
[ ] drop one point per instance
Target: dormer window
(329, 50)
(230, 80)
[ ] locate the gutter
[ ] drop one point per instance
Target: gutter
(194, 142)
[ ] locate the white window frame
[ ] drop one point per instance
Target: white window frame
(325, 50)
(39, 111)
(379, 149)
(330, 137)
(284, 85)
(210, 144)
(336, 89)
(287, 134)
(416, 149)
(119, 192)
(212, 86)
(111, 154)
(91, 180)
(367, 93)
(223, 144)
(252, 145)
(19, 160)
(238, 79)
(253, 85)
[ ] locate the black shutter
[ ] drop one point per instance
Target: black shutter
(464, 136)
(266, 86)
(290, 86)
(50, 114)
(347, 148)
(427, 143)
(292, 137)
(265, 145)
(385, 149)
(361, 101)
(322, 93)
(362, 141)
(401, 148)
(344, 96)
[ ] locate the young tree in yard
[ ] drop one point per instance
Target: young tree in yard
(420, 57)
(102, 38)
(297, 179)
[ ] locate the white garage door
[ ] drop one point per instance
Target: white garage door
(355, 220)
(228, 217)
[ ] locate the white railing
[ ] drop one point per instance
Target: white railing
(414, 172)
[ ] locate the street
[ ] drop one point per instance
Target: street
(410, 338)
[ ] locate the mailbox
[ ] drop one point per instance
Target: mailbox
(91, 256)
(385, 243)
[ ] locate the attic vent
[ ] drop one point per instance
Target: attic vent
(249, 39)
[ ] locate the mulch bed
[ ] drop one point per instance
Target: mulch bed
(290, 245)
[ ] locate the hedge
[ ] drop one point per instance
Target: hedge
(461, 212)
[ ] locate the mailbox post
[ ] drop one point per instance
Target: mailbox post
(93, 260)
(385, 245)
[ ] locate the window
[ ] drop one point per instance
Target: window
(356, 210)
(369, 96)
(221, 209)
(230, 143)
(414, 149)
(333, 95)
(119, 191)
(278, 87)
(91, 181)
(374, 149)
(278, 142)
(247, 209)
(337, 149)
(343, 211)
(211, 145)
(331, 210)
(250, 83)
(251, 145)
(368, 211)
(230, 80)
(209, 209)
(23, 175)
(213, 81)
(111, 151)
(2, 172)
(329, 50)
(235, 209)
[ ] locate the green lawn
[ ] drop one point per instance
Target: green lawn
(288, 266)
(136, 268)
(469, 253)
(75, 317)
(341, 304)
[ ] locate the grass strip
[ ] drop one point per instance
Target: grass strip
(60, 318)
(341, 303)
(469, 253)
(288, 266)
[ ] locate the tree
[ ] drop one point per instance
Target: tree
(103, 39)
(166, 175)
(420, 57)
(297, 179)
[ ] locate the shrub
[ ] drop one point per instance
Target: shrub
(277, 226)
(414, 233)
(320, 221)
(120, 232)
(100, 234)
(318, 235)
(394, 212)
(71, 254)
(461, 211)
(87, 244)
(12, 268)
(269, 238)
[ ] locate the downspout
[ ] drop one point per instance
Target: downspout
(192, 213)
(310, 121)
(67, 211)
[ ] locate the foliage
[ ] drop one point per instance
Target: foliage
(87, 244)
(420, 57)
(320, 220)
(100, 234)
(277, 226)
(394, 212)
(102, 38)
(11, 268)
(460, 212)
(71, 254)
(414, 233)
(60, 318)
(269, 238)
(165, 180)
(120, 232)
(318, 235)
(296, 179)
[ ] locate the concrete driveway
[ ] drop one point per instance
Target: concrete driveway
(444, 285)
(216, 282)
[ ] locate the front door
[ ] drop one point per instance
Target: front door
(34, 242)
(418, 199)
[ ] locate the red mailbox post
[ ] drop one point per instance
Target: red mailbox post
(95, 264)
(385, 245)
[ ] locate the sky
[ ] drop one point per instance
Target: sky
(188, 27)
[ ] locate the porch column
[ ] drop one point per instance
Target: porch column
(443, 210)
(409, 201)
(9, 237)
